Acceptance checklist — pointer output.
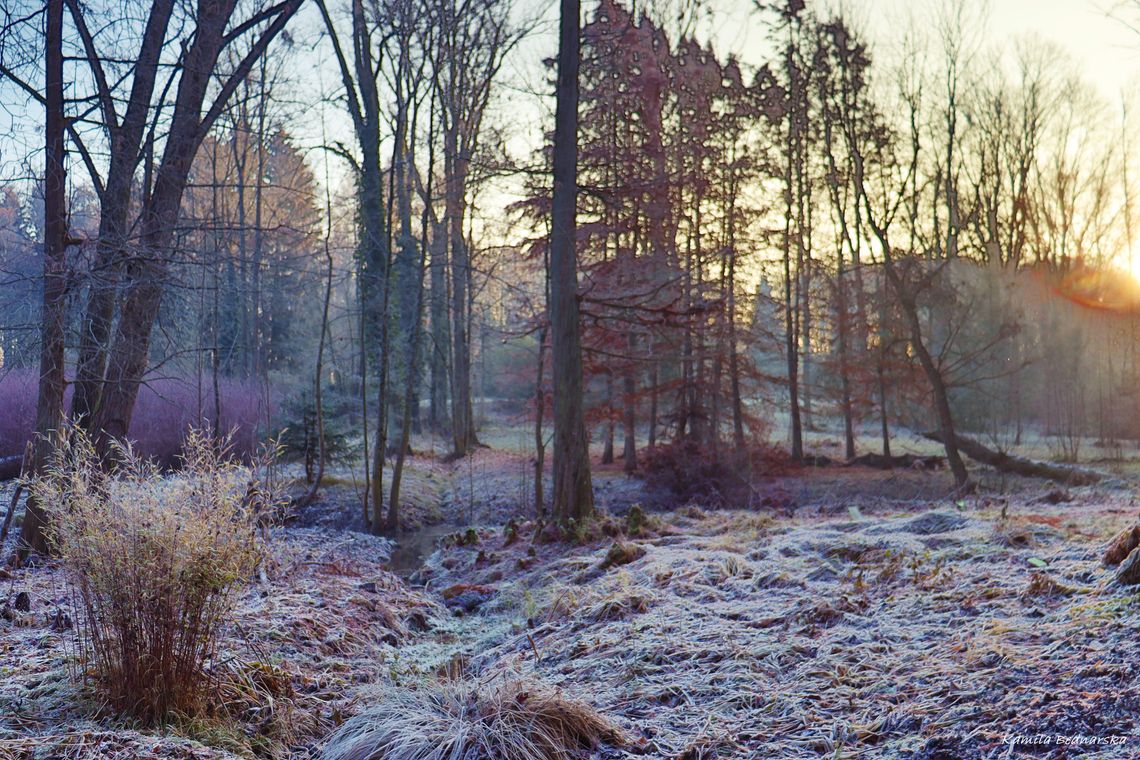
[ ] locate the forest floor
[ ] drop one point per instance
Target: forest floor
(859, 613)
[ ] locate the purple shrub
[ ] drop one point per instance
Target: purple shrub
(17, 410)
(166, 407)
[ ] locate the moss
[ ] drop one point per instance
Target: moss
(510, 532)
(622, 553)
(634, 520)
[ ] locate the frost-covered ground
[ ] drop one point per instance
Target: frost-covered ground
(930, 635)
(326, 618)
(859, 621)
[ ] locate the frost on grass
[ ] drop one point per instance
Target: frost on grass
(326, 621)
(153, 563)
(928, 636)
(509, 718)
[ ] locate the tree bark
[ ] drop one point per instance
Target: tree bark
(462, 416)
(49, 403)
(125, 142)
(608, 445)
(440, 329)
(573, 490)
(539, 415)
(629, 450)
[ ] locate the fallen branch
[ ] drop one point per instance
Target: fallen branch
(27, 456)
(1063, 473)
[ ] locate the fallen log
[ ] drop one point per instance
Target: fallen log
(10, 467)
(901, 461)
(1035, 468)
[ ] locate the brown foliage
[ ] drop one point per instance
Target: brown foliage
(693, 472)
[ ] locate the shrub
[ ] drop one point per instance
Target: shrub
(717, 478)
(164, 410)
(167, 407)
(512, 719)
(152, 563)
(300, 439)
(18, 390)
(692, 472)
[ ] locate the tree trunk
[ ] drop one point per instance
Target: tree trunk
(791, 343)
(462, 422)
(883, 422)
(573, 490)
(440, 329)
(844, 356)
(733, 361)
(414, 322)
(49, 402)
(114, 210)
(999, 460)
(654, 369)
(608, 447)
(629, 451)
(319, 370)
(539, 441)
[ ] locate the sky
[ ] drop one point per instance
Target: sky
(1094, 32)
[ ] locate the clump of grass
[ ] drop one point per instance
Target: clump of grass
(732, 566)
(512, 719)
(152, 562)
(635, 520)
(256, 700)
(622, 553)
(1122, 545)
(888, 568)
(1015, 535)
(1041, 584)
(620, 605)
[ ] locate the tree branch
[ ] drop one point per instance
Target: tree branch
(284, 12)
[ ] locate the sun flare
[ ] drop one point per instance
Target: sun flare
(1131, 265)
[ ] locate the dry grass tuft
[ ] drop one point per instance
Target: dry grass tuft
(512, 719)
(152, 563)
(622, 553)
(1023, 532)
(1042, 584)
(619, 605)
(1122, 545)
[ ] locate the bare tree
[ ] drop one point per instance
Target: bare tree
(573, 490)
(49, 404)
(860, 140)
(110, 372)
(363, 103)
(471, 40)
